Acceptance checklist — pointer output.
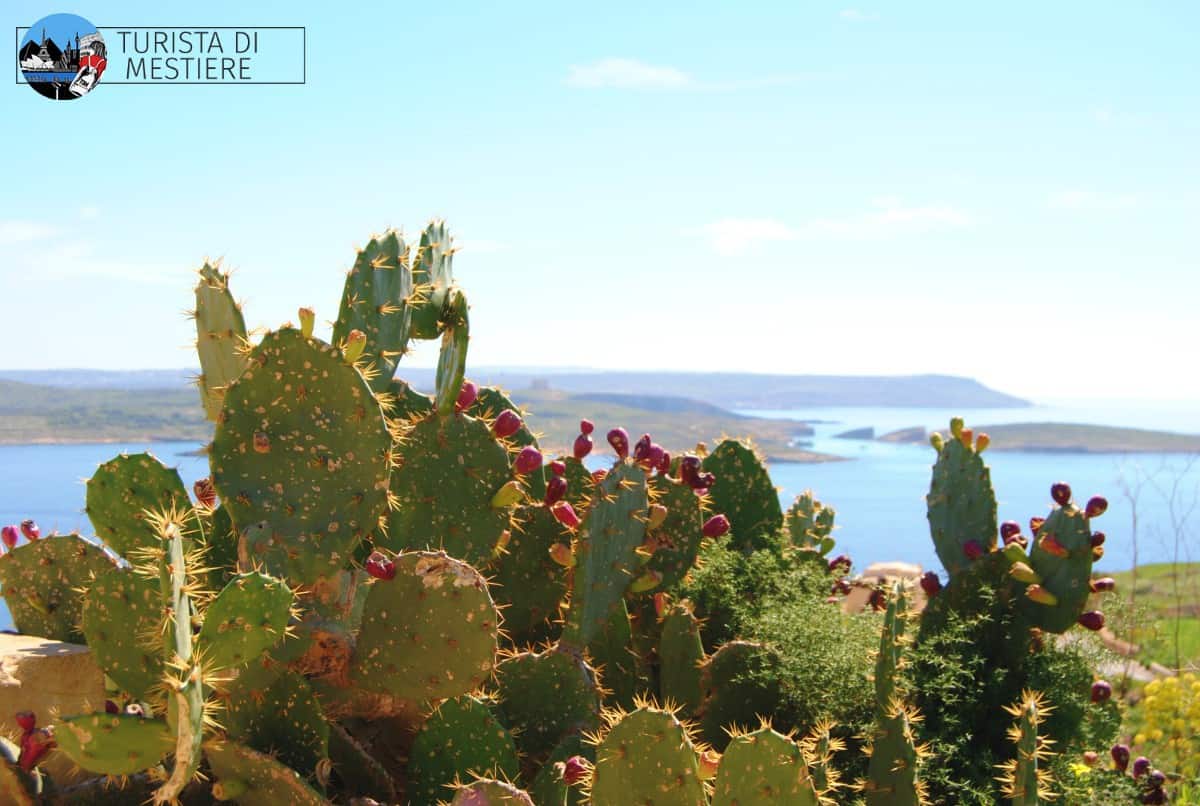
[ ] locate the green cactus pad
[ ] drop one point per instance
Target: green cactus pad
(316, 483)
(432, 277)
(606, 552)
(285, 720)
(449, 469)
(408, 403)
(961, 504)
(256, 778)
(891, 646)
(490, 793)
(221, 540)
(544, 697)
(680, 655)
(452, 358)
(1026, 777)
(892, 773)
(676, 540)
(1067, 577)
(114, 744)
(763, 768)
(526, 581)
(123, 490)
(429, 633)
(42, 584)
(375, 302)
(580, 485)
(246, 619)
(647, 757)
(462, 739)
(122, 622)
(810, 523)
(548, 785)
(743, 492)
(741, 686)
(490, 402)
(612, 653)
(220, 338)
(359, 773)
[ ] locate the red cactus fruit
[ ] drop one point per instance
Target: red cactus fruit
(1060, 491)
(664, 463)
(1120, 756)
(30, 529)
(466, 396)
(558, 467)
(716, 526)
(528, 460)
(619, 439)
(1101, 691)
(10, 536)
(931, 584)
(564, 513)
(556, 488)
(1103, 585)
(380, 566)
(641, 448)
(689, 469)
(1098, 539)
(205, 492)
(1097, 505)
(1035, 524)
(1091, 758)
(507, 423)
(704, 481)
(1097, 553)
(574, 770)
(1092, 620)
(26, 720)
(653, 457)
(583, 446)
(34, 744)
(111, 707)
(1009, 530)
(973, 549)
(1141, 766)
(661, 600)
(981, 442)
(586, 426)
(878, 600)
(840, 564)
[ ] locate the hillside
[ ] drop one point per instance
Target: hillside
(1077, 438)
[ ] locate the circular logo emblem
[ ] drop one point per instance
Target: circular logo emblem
(62, 57)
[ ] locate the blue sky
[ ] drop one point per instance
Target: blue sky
(1007, 192)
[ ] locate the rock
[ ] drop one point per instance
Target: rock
(857, 433)
(44, 676)
(892, 570)
(914, 435)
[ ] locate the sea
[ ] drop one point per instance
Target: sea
(878, 493)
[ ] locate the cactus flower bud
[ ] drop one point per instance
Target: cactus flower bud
(966, 436)
(30, 529)
(205, 492)
(647, 581)
(619, 439)
(262, 442)
(1101, 691)
(507, 423)
(583, 446)
(973, 549)
(561, 553)
(1092, 620)
(9, 535)
(1120, 756)
(709, 761)
(1098, 539)
(658, 514)
(574, 770)
(356, 340)
(558, 467)
(981, 442)
(1050, 545)
(1103, 585)
(26, 720)
(716, 526)
(931, 584)
(937, 441)
(1009, 530)
(556, 488)
(1061, 493)
(956, 426)
(840, 564)
(564, 513)
(467, 397)
(508, 495)
(1022, 572)
(528, 460)
(308, 318)
(1141, 766)
(1035, 525)
(1040, 595)
(380, 566)
(1097, 505)
(586, 427)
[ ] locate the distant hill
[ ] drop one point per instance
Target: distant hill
(729, 390)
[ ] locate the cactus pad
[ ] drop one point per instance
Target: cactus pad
(433, 275)
(375, 302)
(490, 793)
(810, 523)
(120, 493)
(763, 768)
(408, 403)
(545, 697)
(246, 619)
(744, 493)
(680, 655)
(122, 622)
(220, 338)
(285, 720)
(302, 452)
(741, 685)
(612, 653)
(429, 633)
(1066, 577)
(646, 756)
(1026, 777)
(892, 772)
(460, 740)
(256, 779)
(548, 785)
(489, 403)
(114, 744)
(961, 504)
(42, 583)
(526, 581)
(676, 541)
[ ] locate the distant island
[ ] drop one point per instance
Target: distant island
(1067, 438)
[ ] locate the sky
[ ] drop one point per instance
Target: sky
(1007, 192)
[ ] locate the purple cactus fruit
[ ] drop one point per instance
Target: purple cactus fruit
(878, 600)
(973, 549)
(1035, 524)
(556, 488)
(841, 586)
(380, 566)
(716, 526)
(574, 770)
(619, 439)
(528, 460)
(507, 423)
(1156, 795)
(1097, 505)
(583, 446)
(1092, 620)
(205, 492)
(10, 535)
(30, 529)
(564, 513)
(26, 720)
(1141, 766)
(653, 456)
(586, 426)
(1156, 778)
(704, 481)
(466, 396)
(1060, 491)
(1098, 539)
(558, 467)
(1009, 530)
(931, 584)
(1120, 756)
(664, 463)
(840, 564)
(689, 469)
(1101, 691)
(641, 448)
(1103, 585)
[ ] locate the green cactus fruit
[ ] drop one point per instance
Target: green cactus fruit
(359, 774)
(123, 490)
(452, 358)
(619, 667)
(763, 768)
(429, 633)
(1025, 779)
(460, 740)
(122, 622)
(544, 697)
(680, 655)
(606, 552)
(247, 618)
(810, 523)
(448, 470)
(114, 744)
(433, 275)
(548, 785)
(301, 452)
(892, 772)
(256, 779)
(487, 792)
(1061, 554)
(743, 492)
(646, 756)
(285, 721)
(526, 581)
(220, 338)
(42, 584)
(676, 541)
(741, 685)
(407, 403)
(490, 402)
(375, 303)
(961, 504)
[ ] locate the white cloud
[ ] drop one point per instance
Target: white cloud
(1092, 200)
(627, 74)
(17, 231)
(734, 236)
(855, 15)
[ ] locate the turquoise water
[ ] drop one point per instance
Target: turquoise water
(879, 496)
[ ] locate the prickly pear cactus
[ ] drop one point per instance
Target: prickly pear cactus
(526, 581)
(680, 655)
(43, 584)
(646, 756)
(284, 720)
(549, 785)
(220, 338)
(122, 623)
(123, 490)
(488, 792)
(810, 523)
(247, 618)
(116, 744)
(1061, 559)
(740, 682)
(375, 303)
(763, 768)
(676, 541)
(462, 738)
(619, 667)
(433, 276)
(961, 504)
(1025, 778)
(545, 697)
(256, 779)
(488, 405)
(744, 493)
